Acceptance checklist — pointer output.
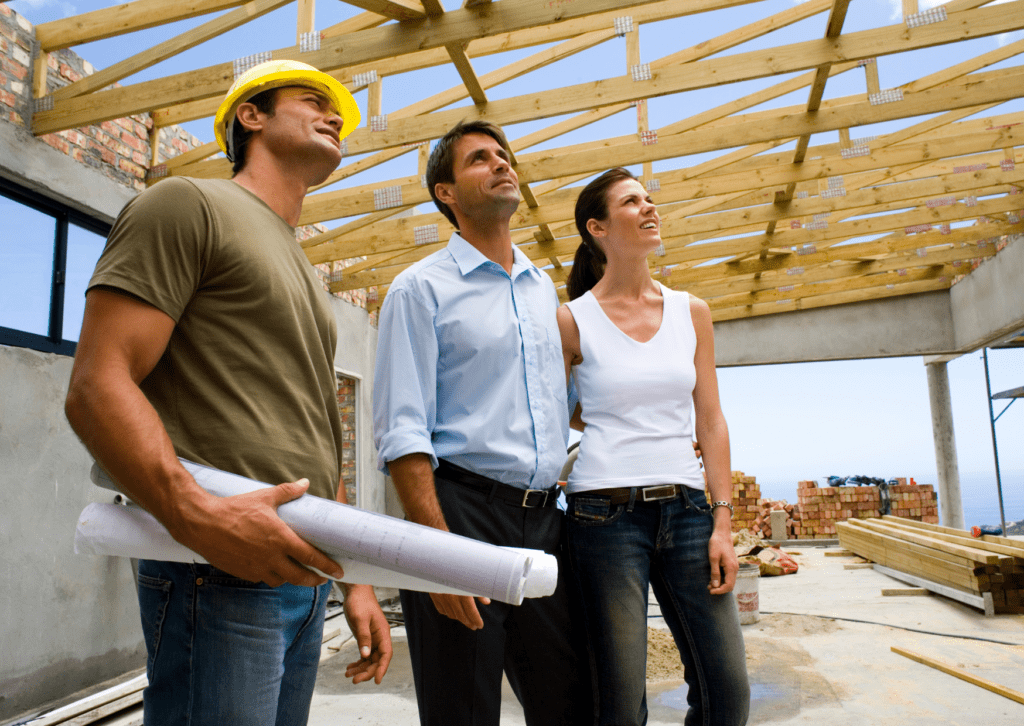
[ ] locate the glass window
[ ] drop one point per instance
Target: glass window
(84, 248)
(26, 267)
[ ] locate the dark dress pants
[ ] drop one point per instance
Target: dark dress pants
(458, 671)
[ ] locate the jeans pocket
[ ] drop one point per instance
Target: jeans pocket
(154, 599)
(593, 510)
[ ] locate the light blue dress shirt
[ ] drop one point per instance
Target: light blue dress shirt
(469, 368)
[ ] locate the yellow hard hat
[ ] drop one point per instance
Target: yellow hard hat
(278, 74)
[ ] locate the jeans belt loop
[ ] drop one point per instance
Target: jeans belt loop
(632, 499)
(686, 497)
(494, 489)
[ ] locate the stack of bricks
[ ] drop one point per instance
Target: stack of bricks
(763, 523)
(746, 501)
(914, 501)
(822, 507)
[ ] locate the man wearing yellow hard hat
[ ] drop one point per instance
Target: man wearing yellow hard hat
(208, 336)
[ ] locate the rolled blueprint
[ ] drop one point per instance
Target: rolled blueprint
(372, 548)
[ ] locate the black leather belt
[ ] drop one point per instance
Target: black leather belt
(621, 495)
(507, 493)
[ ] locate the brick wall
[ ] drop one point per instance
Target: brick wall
(347, 406)
(121, 148)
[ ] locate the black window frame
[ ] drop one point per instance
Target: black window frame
(53, 341)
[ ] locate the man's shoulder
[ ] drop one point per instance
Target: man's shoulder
(435, 267)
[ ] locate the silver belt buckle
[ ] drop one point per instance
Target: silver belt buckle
(652, 494)
(528, 492)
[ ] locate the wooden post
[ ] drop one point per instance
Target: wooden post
(374, 100)
(642, 120)
(40, 69)
(306, 12)
(909, 8)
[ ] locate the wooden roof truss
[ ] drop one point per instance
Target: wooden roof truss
(750, 230)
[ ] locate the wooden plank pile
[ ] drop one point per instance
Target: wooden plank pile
(821, 508)
(942, 555)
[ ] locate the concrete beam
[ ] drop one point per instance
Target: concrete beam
(988, 304)
(32, 163)
(982, 309)
(900, 326)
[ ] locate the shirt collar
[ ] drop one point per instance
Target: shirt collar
(468, 257)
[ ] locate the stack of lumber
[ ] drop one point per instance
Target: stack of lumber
(942, 555)
(821, 508)
(746, 501)
(763, 522)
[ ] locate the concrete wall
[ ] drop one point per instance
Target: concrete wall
(357, 347)
(68, 621)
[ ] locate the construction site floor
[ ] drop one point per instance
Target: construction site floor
(820, 654)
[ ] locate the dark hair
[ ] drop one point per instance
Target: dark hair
(592, 203)
(441, 165)
(264, 101)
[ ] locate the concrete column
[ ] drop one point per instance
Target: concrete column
(951, 504)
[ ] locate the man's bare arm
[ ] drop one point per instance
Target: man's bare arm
(413, 475)
(121, 342)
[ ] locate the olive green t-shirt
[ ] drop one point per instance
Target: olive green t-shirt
(247, 383)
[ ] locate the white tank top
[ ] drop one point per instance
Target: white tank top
(636, 400)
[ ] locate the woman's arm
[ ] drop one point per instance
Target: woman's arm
(571, 354)
(713, 435)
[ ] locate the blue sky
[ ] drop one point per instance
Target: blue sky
(790, 422)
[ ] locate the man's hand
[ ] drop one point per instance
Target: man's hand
(373, 634)
(244, 536)
(724, 564)
(461, 608)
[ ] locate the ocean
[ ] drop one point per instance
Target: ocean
(978, 492)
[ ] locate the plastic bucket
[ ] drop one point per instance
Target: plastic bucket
(747, 593)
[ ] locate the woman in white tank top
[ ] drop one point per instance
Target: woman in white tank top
(643, 358)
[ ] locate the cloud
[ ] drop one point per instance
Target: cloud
(66, 9)
(1004, 39)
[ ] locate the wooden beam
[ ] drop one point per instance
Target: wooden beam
(452, 95)
(168, 48)
(305, 18)
(960, 673)
(365, 46)
(457, 52)
(393, 9)
(997, 88)
(120, 19)
(559, 206)
(701, 74)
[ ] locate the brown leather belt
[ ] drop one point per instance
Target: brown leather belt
(621, 495)
(507, 493)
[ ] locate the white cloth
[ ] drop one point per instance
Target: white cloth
(636, 400)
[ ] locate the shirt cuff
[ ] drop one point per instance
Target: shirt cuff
(400, 442)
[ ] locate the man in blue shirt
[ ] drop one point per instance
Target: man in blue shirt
(471, 423)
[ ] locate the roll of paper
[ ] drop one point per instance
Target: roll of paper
(372, 548)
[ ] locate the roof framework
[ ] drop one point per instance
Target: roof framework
(761, 222)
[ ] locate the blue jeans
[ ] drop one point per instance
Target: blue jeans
(616, 551)
(222, 650)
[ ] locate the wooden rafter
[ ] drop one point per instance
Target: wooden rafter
(751, 228)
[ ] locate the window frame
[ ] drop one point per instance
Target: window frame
(64, 215)
(357, 451)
